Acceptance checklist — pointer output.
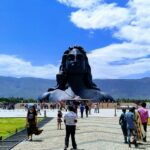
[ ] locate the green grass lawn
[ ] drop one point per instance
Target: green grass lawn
(8, 126)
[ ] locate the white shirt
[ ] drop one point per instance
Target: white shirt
(70, 118)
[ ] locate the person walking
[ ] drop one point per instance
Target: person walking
(59, 120)
(95, 108)
(82, 109)
(143, 112)
(131, 128)
(70, 120)
(97, 105)
(123, 123)
(31, 123)
(86, 110)
(39, 109)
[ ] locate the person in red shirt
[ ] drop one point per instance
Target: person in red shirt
(144, 117)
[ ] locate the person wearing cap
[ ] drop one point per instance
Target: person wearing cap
(123, 123)
(70, 120)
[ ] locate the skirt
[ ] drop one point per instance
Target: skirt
(33, 129)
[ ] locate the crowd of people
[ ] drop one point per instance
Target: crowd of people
(51, 106)
(7, 106)
(70, 120)
(134, 124)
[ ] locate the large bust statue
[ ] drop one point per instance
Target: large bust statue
(75, 79)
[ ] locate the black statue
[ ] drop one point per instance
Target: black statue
(75, 79)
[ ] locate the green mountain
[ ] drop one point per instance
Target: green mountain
(24, 87)
(126, 88)
(34, 87)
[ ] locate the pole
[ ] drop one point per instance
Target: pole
(115, 111)
(45, 114)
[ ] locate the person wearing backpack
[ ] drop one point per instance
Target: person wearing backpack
(123, 123)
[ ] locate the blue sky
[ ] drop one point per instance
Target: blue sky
(35, 33)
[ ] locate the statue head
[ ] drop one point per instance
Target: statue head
(75, 62)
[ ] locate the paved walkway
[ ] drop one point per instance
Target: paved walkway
(94, 133)
(53, 113)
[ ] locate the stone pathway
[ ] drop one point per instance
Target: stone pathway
(93, 133)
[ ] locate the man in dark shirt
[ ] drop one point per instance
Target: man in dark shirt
(123, 123)
(86, 110)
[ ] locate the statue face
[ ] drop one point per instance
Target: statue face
(75, 62)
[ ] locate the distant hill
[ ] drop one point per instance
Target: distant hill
(126, 88)
(33, 87)
(24, 87)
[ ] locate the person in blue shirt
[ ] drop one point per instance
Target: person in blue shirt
(123, 123)
(131, 128)
(82, 107)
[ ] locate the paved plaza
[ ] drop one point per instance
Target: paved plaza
(53, 113)
(93, 133)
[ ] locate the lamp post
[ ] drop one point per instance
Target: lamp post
(115, 114)
(45, 114)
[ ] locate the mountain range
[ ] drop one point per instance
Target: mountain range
(33, 87)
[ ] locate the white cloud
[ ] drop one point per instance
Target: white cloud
(128, 58)
(80, 3)
(138, 29)
(16, 67)
(101, 16)
(134, 34)
(96, 14)
(119, 60)
(131, 24)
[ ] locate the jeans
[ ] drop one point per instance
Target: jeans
(124, 131)
(133, 133)
(70, 130)
(82, 114)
